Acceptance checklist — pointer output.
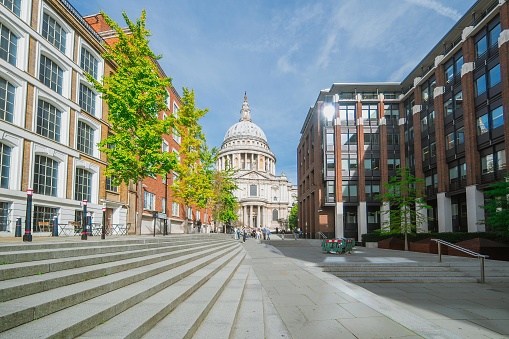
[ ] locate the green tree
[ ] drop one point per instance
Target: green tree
(224, 203)
(496, 206)
(406, 202)
(135, 94)
(192, 188)
(294, 217)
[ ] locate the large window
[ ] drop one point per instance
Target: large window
(371, 139)
(45, 176)
(50, 74)
(349, 164)
(5, 165)
(480, 85)
(87, 99)
(372, 164)
(449, 141)
(347, 112)
(149, 201)
(349, 190)
(497, 117)
(480, 47)
(494, 75)
(110, 186)
(13, 5)
(8, 45)
(330, 192)
(43, 214)
(349, 138)
(275, 215)
(370, 111)
(7, 91)
(83, 185)
(393, 164)
(330, 166)
(85, 142)
(175, 209)
(253, 190)
(4, 216)
(89, 63)
(483, 124)
(53, 32)
(48, 120)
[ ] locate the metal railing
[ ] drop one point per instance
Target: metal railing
(464, 250)
(321, 235)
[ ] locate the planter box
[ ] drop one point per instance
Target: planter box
(427, 246)
(371, 244)
(392, 244)
(494, 249)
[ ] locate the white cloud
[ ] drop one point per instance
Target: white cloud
(438, 7)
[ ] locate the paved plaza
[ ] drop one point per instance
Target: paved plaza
(316, 304)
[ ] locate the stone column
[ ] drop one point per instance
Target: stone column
(339, 224)
(362, 218)
(259, 217)
(244, 213)
(475, 214)
(250, 216)
(444, 213)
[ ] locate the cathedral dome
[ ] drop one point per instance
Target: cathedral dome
(245, 128)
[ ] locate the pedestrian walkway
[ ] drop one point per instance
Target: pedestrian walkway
(317, 304)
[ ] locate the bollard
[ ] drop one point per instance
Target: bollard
(17, 233)
(103, 231)
(55, 227)
(84, 221)
(27, 237)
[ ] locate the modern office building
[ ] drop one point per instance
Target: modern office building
(445, 121)
(265, 198)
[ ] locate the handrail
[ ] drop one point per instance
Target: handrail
(464, 250)
(320, 234)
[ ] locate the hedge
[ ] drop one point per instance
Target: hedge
(452, 237)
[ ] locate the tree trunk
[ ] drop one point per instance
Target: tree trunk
(139, 206)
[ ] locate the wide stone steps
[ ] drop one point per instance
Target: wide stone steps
(178, 287)
(426, 272)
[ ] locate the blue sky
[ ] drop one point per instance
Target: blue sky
(282, 52)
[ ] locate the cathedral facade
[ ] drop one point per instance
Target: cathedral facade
(265, 199)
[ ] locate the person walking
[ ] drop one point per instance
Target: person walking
(268, 233)
(282, 234)
(243, 234)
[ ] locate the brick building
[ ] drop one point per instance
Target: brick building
(445, 121)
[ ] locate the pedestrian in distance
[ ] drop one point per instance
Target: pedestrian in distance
(243, 234)
(282, 234)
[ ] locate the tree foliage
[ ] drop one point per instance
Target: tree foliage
(192, 188)
(135, 94)
(224, 202)
(406, 204)
(496, 206)
(294, 217)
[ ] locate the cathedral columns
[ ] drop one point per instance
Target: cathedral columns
(258, 218)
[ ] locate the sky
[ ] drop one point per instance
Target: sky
(282, 53)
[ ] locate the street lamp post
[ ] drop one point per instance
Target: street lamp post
(84, 221)
(28, 219)
(103, 231)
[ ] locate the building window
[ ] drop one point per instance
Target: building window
(4, 216)
(253, 190)
(433, 149)
(85, 142)
(53, 32)
(453, 173)
(482, 124)
(372, 190)
(13, 5)
(448, 107)
(5, 165)
(449, 141)
(275, 215)
(497, 117)
(425, 153)
(7, 91)
(480, 85)
(175, 209)
(501, 160)
(50, 74)
(372, 164)
(487, 164)
(198, 215)
(349, 138)
(493, 35)
(494, 75)
(43, 214)
(165, 147)
(347, 112)
(89, 63)
(45, 176)
(370, 111)
(48, 121)
(83, 185)
(349, 190)
(424, 124)
(480, 47)
(371, 139)
(393, 164)
(329, 141)
(393, 138)
(149, 201)
(176, 135)
(458, 101)
(110, 186)
(449, 74)
(391, 112)
(189, 213)
(8, 45)
(431, 118)
(330, 165)
(330, 191)
(87, 99)
(460, 135)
